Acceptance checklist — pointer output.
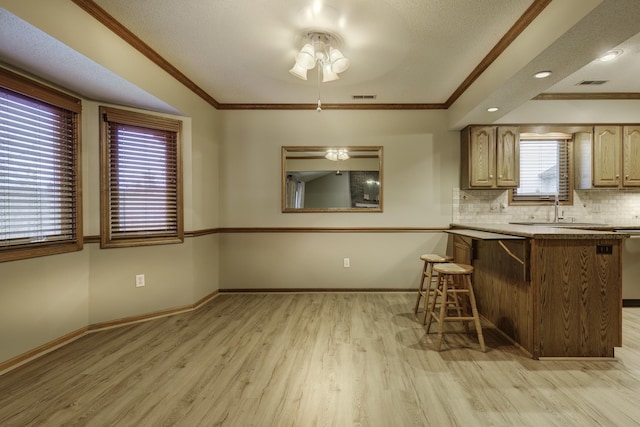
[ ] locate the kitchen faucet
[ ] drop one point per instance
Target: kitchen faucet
(556, 204)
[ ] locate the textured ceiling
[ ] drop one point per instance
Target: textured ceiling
(408, 53)
(24, 46)
(240, 51)
(621, 75)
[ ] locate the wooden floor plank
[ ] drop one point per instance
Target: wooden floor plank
(315, 359)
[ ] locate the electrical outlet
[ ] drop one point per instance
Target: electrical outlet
(139, 280)
(346, 263)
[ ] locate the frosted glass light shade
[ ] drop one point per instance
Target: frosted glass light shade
(338, 62)
(306, 57)
(328, 75)
(299, 71)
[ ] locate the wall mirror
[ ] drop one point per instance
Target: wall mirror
(331, 179)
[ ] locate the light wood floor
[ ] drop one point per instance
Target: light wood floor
(326, 359)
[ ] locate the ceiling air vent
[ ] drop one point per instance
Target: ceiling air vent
(592, 82)
(363, 96)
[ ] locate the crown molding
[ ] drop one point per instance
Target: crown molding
(586, 96)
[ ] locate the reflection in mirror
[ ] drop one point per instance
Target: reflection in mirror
(331, 179)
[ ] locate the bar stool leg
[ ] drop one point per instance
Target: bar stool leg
(432, 308)
(443, 307)
(461, 304)
(421, 286)
(456, 301)
(427, 294)
(474, 311)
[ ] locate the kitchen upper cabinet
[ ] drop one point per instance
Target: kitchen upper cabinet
(490, 157)
(616, 156)
(507, 157)
(607, 154)
(631, 156)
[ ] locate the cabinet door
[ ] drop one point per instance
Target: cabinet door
(631, 156)
(607, 144)
(482, 156)
(462, 249)
(507, 157)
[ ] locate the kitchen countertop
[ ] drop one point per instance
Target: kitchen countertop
(565, 231)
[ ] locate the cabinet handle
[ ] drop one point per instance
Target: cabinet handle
(499, 176)
(490, 176)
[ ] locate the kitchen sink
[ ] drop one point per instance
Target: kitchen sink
(560, 224)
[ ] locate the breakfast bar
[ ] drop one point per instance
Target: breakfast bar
(554, 291)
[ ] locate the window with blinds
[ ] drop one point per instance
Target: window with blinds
(40, 206)
(545, 170)
(140, 180)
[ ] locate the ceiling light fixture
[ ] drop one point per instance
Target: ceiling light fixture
(610, 55)
(492, 109)
(318, 51)
(542, 74)
(335, 154)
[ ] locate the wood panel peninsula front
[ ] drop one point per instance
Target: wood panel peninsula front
(555, 291)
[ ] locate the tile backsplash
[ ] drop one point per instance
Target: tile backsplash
(617, 207)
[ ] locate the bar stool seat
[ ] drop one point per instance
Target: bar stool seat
(453, 284)
(427, 273)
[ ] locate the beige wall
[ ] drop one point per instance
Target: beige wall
(42, 299)
(421, 168)
(315, 260)
(421, 165)
(175, 276)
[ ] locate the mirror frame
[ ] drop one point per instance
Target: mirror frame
(297, 149)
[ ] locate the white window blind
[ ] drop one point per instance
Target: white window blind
(544, 170)
(142, 181)
(39, 184)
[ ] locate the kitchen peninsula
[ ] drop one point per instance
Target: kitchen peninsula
(555, 291)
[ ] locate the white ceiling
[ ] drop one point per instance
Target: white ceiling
(240, 51)
(402, 51)
(27, 48)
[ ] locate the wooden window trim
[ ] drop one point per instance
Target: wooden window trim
(153, 122)
(43, 94)
(39, 91)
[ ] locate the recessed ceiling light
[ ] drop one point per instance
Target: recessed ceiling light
(542, 74)
(492, 109)
(610, 55)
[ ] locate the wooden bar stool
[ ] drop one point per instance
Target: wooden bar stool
(454, 282)
(427, 273)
